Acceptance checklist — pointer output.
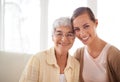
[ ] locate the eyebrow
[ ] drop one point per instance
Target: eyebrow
(85, 24)
(62, 32)
(58, 31)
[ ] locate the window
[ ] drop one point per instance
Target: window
(21, 25)
(26, 25)
(108, 15)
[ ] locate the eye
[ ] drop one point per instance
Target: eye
(70, 34)
(86, 26)
(58, 34)
(76, 29)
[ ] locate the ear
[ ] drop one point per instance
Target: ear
(96, 22)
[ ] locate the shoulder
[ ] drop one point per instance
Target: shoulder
(113, 50)
(41, 55)
(79, 52)
(74, 60)
(113, 53)
(74, 63)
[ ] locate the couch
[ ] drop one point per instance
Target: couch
(12, 65)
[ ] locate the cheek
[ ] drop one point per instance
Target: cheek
(94, 32)
(77, 34)
(55, 40)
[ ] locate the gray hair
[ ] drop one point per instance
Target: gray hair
(62, 21)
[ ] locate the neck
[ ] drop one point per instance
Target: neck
(61, 55)
(61, 60)
(96, 47)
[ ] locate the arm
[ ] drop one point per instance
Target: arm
(31, 72)
(114, 64)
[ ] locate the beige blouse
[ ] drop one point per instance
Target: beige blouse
(43, 67)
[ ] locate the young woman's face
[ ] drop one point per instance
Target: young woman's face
(63, 38)
(85, 28)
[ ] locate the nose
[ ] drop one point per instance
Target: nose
(82, 32)
(64, 38)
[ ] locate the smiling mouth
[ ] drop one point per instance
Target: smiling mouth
(64, 44)
(85, 38)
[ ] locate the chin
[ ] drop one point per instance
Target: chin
(85, 43)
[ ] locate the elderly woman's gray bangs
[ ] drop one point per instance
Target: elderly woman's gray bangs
(63, 21)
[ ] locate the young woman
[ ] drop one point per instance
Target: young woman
(99, 60)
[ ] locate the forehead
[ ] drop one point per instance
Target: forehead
(82, 19)
(63, 29)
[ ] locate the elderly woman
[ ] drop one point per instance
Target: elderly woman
(54, 64)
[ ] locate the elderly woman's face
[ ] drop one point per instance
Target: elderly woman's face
(63, 38)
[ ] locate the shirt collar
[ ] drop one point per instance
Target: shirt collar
(51, 59)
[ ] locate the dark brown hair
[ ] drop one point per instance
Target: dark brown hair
(81, 10)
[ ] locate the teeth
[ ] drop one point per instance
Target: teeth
(85, 38)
